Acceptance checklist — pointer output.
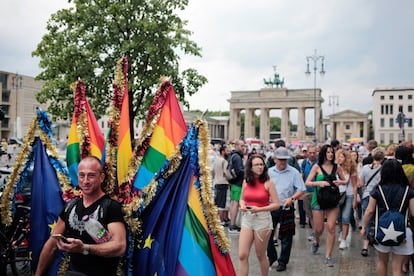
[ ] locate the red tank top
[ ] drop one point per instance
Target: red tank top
(256, 195)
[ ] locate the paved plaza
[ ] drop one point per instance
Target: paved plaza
(303, 262)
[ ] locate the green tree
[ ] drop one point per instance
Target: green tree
(85, 41)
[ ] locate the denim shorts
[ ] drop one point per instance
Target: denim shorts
(345, 210)
(257, 221)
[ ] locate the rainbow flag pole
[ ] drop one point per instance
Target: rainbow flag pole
(85, 136)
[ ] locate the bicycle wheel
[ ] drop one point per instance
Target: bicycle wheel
(20, 261)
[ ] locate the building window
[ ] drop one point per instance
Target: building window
(382, 109)
(391, 97)
(382, 97)
(410, 97)
(400, 97)
(400, 108)
(410, 124)
(391, 138)
(410, 108)
(391, 122)
(347, 127)
(409, 137)
(386, 109)
(382, 122)
(382, 138)
(391, 109)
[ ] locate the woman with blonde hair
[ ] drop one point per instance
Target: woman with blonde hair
(348, 189)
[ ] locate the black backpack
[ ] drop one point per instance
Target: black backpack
(230, 172)
(328, 197)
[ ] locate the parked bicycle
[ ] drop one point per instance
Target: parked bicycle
(14, 244)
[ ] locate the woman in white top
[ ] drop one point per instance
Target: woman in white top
(349, 187)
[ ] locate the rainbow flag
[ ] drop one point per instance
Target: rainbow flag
(167, 134)
(176, 238)
(85, 137)
(97, 140)
(124, 139)
(73, 152)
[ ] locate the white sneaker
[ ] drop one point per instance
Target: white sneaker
(342, 245)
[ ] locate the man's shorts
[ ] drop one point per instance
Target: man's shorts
(235, 192)
(221, 196)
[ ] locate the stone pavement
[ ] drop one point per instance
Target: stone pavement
(303, 262)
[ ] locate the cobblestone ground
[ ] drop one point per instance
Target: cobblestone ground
(303, 262)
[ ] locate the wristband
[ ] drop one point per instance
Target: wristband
(85, 249)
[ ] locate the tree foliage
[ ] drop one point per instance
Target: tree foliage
(85, 41)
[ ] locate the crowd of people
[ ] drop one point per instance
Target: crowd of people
(275, 187)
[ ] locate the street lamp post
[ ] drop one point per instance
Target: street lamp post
(16, 84)
(333, 99)
(315, 58)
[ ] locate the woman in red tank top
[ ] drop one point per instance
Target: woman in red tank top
(258, 198)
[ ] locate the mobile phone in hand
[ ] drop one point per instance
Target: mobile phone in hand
(249, 207)
(60, 237)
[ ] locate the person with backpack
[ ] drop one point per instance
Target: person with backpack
(236, 165)
(368, 180)
(390, 201)
(88, 255)
(323, 176)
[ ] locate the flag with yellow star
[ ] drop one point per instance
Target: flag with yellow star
(177, 236)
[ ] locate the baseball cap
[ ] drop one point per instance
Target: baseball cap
(281, 153)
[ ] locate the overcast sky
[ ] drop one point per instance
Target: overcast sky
(367, 44)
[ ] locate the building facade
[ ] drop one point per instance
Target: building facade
(390, 104)
(18, 103)
(347, 125)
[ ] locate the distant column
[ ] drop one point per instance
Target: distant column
(318, 126)
(249, 123)
(366, 127)
(264, 124)
(355, 129)
(301, 123)
(234, 127)
(285, 130)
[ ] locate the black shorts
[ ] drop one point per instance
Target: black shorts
(221, 195)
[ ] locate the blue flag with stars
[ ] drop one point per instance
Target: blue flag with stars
(46, 205)
(163, 225)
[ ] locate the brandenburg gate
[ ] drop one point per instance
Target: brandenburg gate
(271, 98)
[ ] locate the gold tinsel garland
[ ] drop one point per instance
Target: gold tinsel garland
(210, 209)
(22, 157)
(9, 188)
(114, 121)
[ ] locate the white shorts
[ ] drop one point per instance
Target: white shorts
(257, 221)
(405, 248)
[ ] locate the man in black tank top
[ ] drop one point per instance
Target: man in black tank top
(89, 254)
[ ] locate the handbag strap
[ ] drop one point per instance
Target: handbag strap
(372, 176)
(333, 170)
